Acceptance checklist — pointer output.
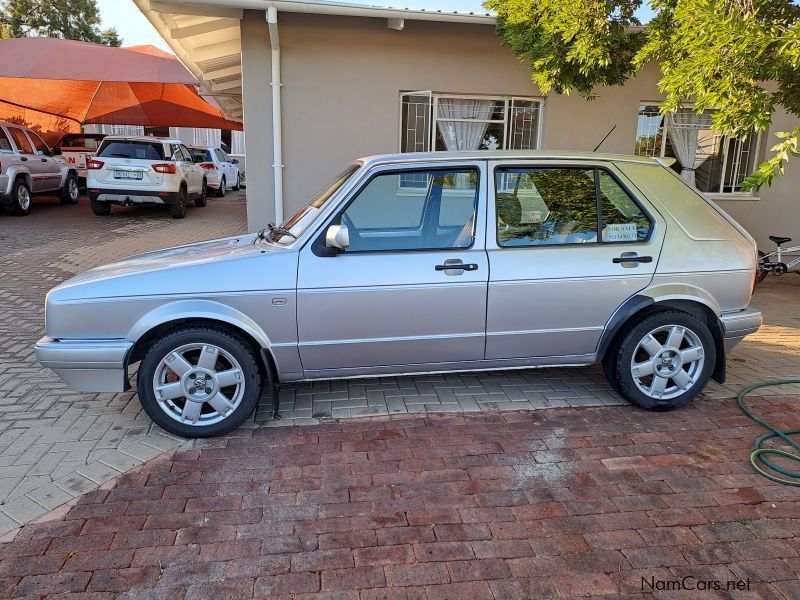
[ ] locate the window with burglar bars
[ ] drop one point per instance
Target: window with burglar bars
(716, 164)
(444, 122)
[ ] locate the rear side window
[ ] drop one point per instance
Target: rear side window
(21, 140)
(131, 149)
(565, 205)
(5, 143)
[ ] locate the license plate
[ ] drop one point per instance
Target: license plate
(127, 174)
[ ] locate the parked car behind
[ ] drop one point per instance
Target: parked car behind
(74, 149)
(27, 168)
(222, 171)
(131, 170)
(424, 263)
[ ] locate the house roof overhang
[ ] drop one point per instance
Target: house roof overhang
(205, 34)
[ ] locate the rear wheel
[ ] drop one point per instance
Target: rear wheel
(223, 188)
(101, 209)
(199, 382)
(71, 192)
(178, 210)
(202, 199)
(664, 360)
(20, 204)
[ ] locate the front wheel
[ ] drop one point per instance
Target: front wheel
(238, 185)
(223, 188)
(199, 382)
(202, 199)
(71, 192)
(664, 360)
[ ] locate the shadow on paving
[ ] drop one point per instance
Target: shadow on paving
(557, 502)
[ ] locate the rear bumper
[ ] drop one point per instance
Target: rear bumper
(87, 365)
(124, 197)
(738, 325)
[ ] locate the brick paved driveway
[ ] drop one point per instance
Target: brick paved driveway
(56, 445)
(558, 502)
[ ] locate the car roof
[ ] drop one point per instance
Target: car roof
(480, 155)
(142, 138)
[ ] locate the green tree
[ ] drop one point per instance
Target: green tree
(738, 57)
(68, 19)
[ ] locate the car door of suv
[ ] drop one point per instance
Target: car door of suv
(50, 167)
(558, 272)
(186, 166)
(409, 292)
(27, 156)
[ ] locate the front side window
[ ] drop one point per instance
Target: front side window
(21, 140)
(460, 123)
(41, 148)
(438, 212)
(565, 205)
(711, 162)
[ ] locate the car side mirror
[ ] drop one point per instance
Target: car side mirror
(235, 162)
(56, 152)
(337, 237)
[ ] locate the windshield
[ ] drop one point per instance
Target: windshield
(295, 225)
(82, 142)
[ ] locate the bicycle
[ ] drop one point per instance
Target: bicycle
(767, 265)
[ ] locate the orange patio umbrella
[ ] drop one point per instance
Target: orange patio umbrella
(56, 85)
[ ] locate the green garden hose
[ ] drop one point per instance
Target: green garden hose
(759, 454)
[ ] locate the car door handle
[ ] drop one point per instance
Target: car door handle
(632, 257)
(44, 160)
(448, 266)
(23, 159)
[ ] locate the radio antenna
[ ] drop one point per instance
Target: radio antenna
(605, 138)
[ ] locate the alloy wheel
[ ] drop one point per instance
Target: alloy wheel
(667, 362)
(23, 198)
(198, 384)
(73, 190)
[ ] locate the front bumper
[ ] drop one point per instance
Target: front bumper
(127, 197)
(87, 365)
(739, 324)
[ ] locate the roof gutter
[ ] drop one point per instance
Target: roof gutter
(328, 7)
(277, 112)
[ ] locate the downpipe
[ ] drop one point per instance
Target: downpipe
(277, 112)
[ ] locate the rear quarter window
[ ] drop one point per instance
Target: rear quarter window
(131, 149)
(687, 207)
(5, 143)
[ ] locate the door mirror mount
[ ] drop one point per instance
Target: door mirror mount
(235, 162)
(337, 237)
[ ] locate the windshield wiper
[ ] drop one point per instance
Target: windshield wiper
(275, 229)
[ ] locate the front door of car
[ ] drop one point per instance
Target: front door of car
(50, 167)
(568, 243)
(227, 167)
(409, 290)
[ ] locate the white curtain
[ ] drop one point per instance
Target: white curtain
(463, 135)
(683, 128)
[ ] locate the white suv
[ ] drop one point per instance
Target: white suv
(222, 171)
(131, 170)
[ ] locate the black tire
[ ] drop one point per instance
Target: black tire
(627, 344)
(101, 209)
(71, 192)
(762, 275)
(20, 201)
(235, 346)
(238, 185)
(202, 199)
(222, 188)
(178, 210)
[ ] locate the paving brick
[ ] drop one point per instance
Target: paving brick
(422, 574)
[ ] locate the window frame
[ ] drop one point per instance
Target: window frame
(726, 139)
(319, 248)
(6, 137)
(16, 142)
(33, 137)
(433, 117)
(598, 200)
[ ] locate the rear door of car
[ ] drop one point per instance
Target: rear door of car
(27, 156)
(558, 272)
(8, 157)
(192, 171)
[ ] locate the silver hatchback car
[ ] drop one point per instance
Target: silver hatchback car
(424, 263)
